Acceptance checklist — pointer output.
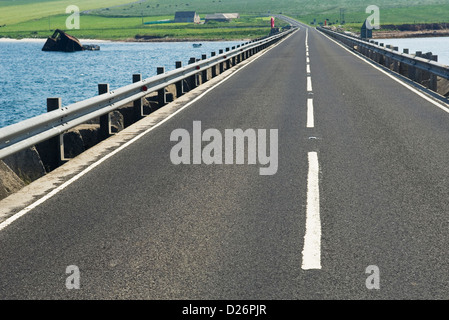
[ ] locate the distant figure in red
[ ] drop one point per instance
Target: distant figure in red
(272, 22)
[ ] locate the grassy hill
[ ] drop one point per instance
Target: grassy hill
(123, 19)
(16, 11)
(401, 10)
(119, 28)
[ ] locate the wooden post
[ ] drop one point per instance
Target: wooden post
(433, 84)
(204, 72)
(105, 121)
(138, 106)
(214, 68)
(192, 80)
(221, 65)
(396, 62)
(179, 84)
(403, 68)
(418, 72)
(161, 97)
(51, 151)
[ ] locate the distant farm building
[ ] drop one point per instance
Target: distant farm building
(187, 16)
(222, 17)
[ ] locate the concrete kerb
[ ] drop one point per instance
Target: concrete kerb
(38, 189)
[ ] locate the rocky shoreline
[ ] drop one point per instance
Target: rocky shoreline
(424, 30)
(392, 34)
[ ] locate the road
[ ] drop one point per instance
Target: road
(357, 209)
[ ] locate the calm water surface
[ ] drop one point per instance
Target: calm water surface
(28, 76)
(437, 45)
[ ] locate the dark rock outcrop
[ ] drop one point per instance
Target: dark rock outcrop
(61, 41)
(9, 181)
(27, 164)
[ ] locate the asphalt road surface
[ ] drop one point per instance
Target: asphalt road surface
(358, 207)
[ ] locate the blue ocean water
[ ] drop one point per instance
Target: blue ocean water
(28, 76)
(436, 45)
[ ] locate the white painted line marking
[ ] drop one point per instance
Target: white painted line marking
(422, 95)
(309, 84)
(308, 60)
(310, 116)
(312, 239)
(55, 191)
(308, 68)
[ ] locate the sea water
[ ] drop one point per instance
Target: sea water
(28, 76)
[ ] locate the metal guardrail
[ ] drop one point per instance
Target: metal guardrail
(33, 131)
(424, 64)
(287, 19)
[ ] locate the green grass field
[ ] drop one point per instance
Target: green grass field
(399, 15)
(299, 8)
(121, 28)
(122, 19)
(15, 11)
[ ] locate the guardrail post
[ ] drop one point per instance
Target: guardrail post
(214, 68)
(179, 85)
(433, 83)
(192, 82)
(51, 151)
(380, 58)
(411, 74)
(240, 55)
(228, 61)
(418, 72)
(387, 59)
(221, 65)
(203, 72)
(105, 120)
(396, 62)
(403, 68)
(425, 73)
(138, 105)
(161, 97)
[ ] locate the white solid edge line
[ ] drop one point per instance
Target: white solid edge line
(55, 191)
(310, 116)
(312, 238)
(419, 93)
